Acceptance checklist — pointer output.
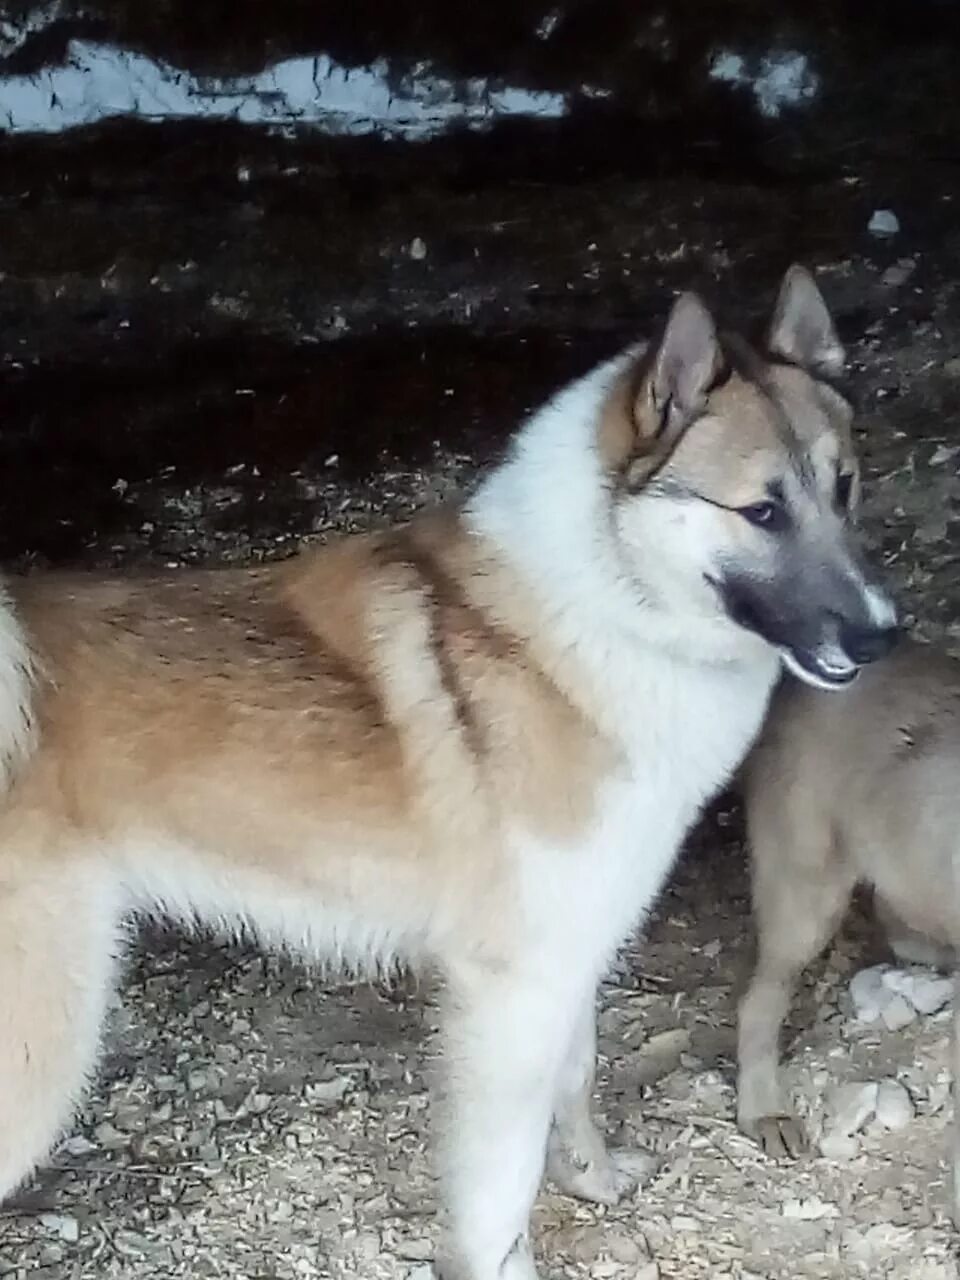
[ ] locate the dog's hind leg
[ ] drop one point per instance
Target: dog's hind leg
(59, 928)
(909, 945)
(578, 1160)
(799, 896)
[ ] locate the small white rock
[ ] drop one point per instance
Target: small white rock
(869, 993)
(327, 1092)
(109, 1137)
(809, 1209)
(937, 1096)
(852, 1106)
(880, 1240)
(895, 1107)
(899, 273)
(63, 1225)
(79, 1146)
(930, 993)
(883, 222)
(417, 249)
(838, 1146)
(899, 1013)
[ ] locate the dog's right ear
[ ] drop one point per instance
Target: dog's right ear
(654, 401)
(682, 370)
(675, 379)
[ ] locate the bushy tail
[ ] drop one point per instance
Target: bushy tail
(17, 690)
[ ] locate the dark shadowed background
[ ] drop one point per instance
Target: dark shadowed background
(238, 235)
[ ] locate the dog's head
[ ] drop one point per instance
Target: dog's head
(735, 484)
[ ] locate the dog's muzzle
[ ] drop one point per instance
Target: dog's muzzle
(825, 648)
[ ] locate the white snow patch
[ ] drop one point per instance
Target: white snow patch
(778, 80)
(99, 81)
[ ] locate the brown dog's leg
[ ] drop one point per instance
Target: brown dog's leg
(797, 909)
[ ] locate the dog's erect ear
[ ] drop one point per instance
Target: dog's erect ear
(677, 378)
(682, 371)
(802, 330)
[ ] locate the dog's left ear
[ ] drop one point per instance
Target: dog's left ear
(802, 329)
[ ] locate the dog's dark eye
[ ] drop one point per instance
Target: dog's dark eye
(765, 515)
(844, 489)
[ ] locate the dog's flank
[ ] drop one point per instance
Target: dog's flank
(474, 743)
(861, 789)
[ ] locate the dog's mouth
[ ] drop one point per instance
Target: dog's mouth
(832, 670)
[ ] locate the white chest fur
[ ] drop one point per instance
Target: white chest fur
(691, 727)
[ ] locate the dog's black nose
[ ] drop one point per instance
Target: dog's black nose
(867, 644)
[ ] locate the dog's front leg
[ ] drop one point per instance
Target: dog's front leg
(508, 1036)
(578, 1161)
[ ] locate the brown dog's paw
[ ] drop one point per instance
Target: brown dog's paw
(781, 1137)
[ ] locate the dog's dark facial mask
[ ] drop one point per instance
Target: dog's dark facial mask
(853, 623)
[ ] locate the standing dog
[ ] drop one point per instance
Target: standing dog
(475, 742)
(837, 794)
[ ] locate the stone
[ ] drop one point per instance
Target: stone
(838, 1146)
(899, 1013)
(852, 1106)
(869, 993)
(899, 273)
(929, 993)
(883, 223)
(895, 1107)
(809, 1209)
(63, 1225)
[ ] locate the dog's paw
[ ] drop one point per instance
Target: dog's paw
(517, 1265)
(603, 1180)
(781, 1137)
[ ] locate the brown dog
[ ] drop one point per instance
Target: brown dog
(841, 791)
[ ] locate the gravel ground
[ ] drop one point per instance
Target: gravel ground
(254, 1120)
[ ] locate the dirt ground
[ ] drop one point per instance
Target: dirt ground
(214, 349)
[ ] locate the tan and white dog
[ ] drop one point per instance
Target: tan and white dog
(473, 743)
